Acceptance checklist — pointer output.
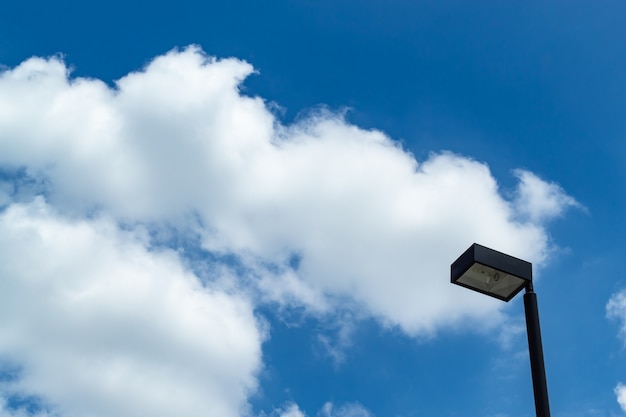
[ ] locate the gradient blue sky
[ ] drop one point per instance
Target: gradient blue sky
(536, 86)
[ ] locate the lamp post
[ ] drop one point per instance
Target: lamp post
(503, 276)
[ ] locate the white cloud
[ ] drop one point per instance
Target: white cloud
(620, 393)
(328, 410)
(320, 214)
(539, 200)
(616, 309)
(346, 410)
(368, 222)
(290, 410)
(102, 327)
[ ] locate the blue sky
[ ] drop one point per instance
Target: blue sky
(250, 208)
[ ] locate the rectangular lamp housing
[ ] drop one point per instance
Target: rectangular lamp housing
(491, 272)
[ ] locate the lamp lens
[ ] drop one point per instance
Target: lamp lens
(491, 281)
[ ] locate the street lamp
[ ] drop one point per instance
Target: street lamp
(502, 276)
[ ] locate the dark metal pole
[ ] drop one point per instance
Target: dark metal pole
(535, 349)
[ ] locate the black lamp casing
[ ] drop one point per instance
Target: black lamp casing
(521, 275)
(492, 259)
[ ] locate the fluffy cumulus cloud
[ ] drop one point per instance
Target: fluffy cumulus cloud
(539, 200)
(97, 325)
(319, 214)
